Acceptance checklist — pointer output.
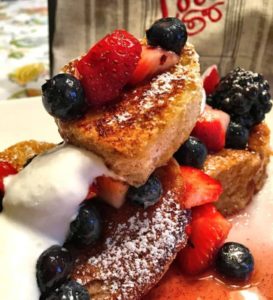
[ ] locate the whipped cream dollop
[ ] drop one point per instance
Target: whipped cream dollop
(39, 204)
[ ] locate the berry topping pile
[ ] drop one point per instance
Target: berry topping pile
(169, 34)
(244, 95)
(234, 261)
(208, 231)
(115, 62)
(192, 153)
(108, 66)
(63, 97)
(147, 194)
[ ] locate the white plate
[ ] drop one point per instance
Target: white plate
(25, 119)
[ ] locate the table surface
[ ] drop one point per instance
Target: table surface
(24, 58)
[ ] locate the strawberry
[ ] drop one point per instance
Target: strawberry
(211, 128)
(111, 191)
(153, 60)
(209, 229)
(92, 192)
(108, 66)
(199, 188)
(6, 169)
(211, 78)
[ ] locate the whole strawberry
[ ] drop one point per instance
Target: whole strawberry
(108, 66)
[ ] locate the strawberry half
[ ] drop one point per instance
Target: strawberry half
(209, 229)
(199, 188)
(211, 128)
(108, 66)
(154, 60)
(211, 78)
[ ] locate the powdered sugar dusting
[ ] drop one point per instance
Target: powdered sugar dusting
(164, 82)
(130, 262)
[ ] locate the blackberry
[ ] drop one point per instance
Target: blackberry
(244, 95)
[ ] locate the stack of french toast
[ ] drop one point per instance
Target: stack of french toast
(180, 166)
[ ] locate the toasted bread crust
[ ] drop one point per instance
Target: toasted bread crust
(19, 153)
(138, 244)
(241, 172)
(146, 126)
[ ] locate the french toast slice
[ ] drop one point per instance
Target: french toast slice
(148, 123)
(138, 245)
(241, 172)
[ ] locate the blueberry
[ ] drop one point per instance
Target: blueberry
(147, 194)
(87, 227)
(53, 268)
(192, 153)
(63, 97)
(236, 136)
(71, 290)
(168, 33)
(234, 261)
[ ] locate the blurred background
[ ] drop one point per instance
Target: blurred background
(37, 37)
(24, 47)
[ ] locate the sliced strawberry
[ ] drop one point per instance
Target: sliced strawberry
(208, 232)
(111, 191)
(206, 210)
(154, 60)
(199, 188)
(108, 66)
(211, 128)
(92, 192)
(211, 78)
(6, 169)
